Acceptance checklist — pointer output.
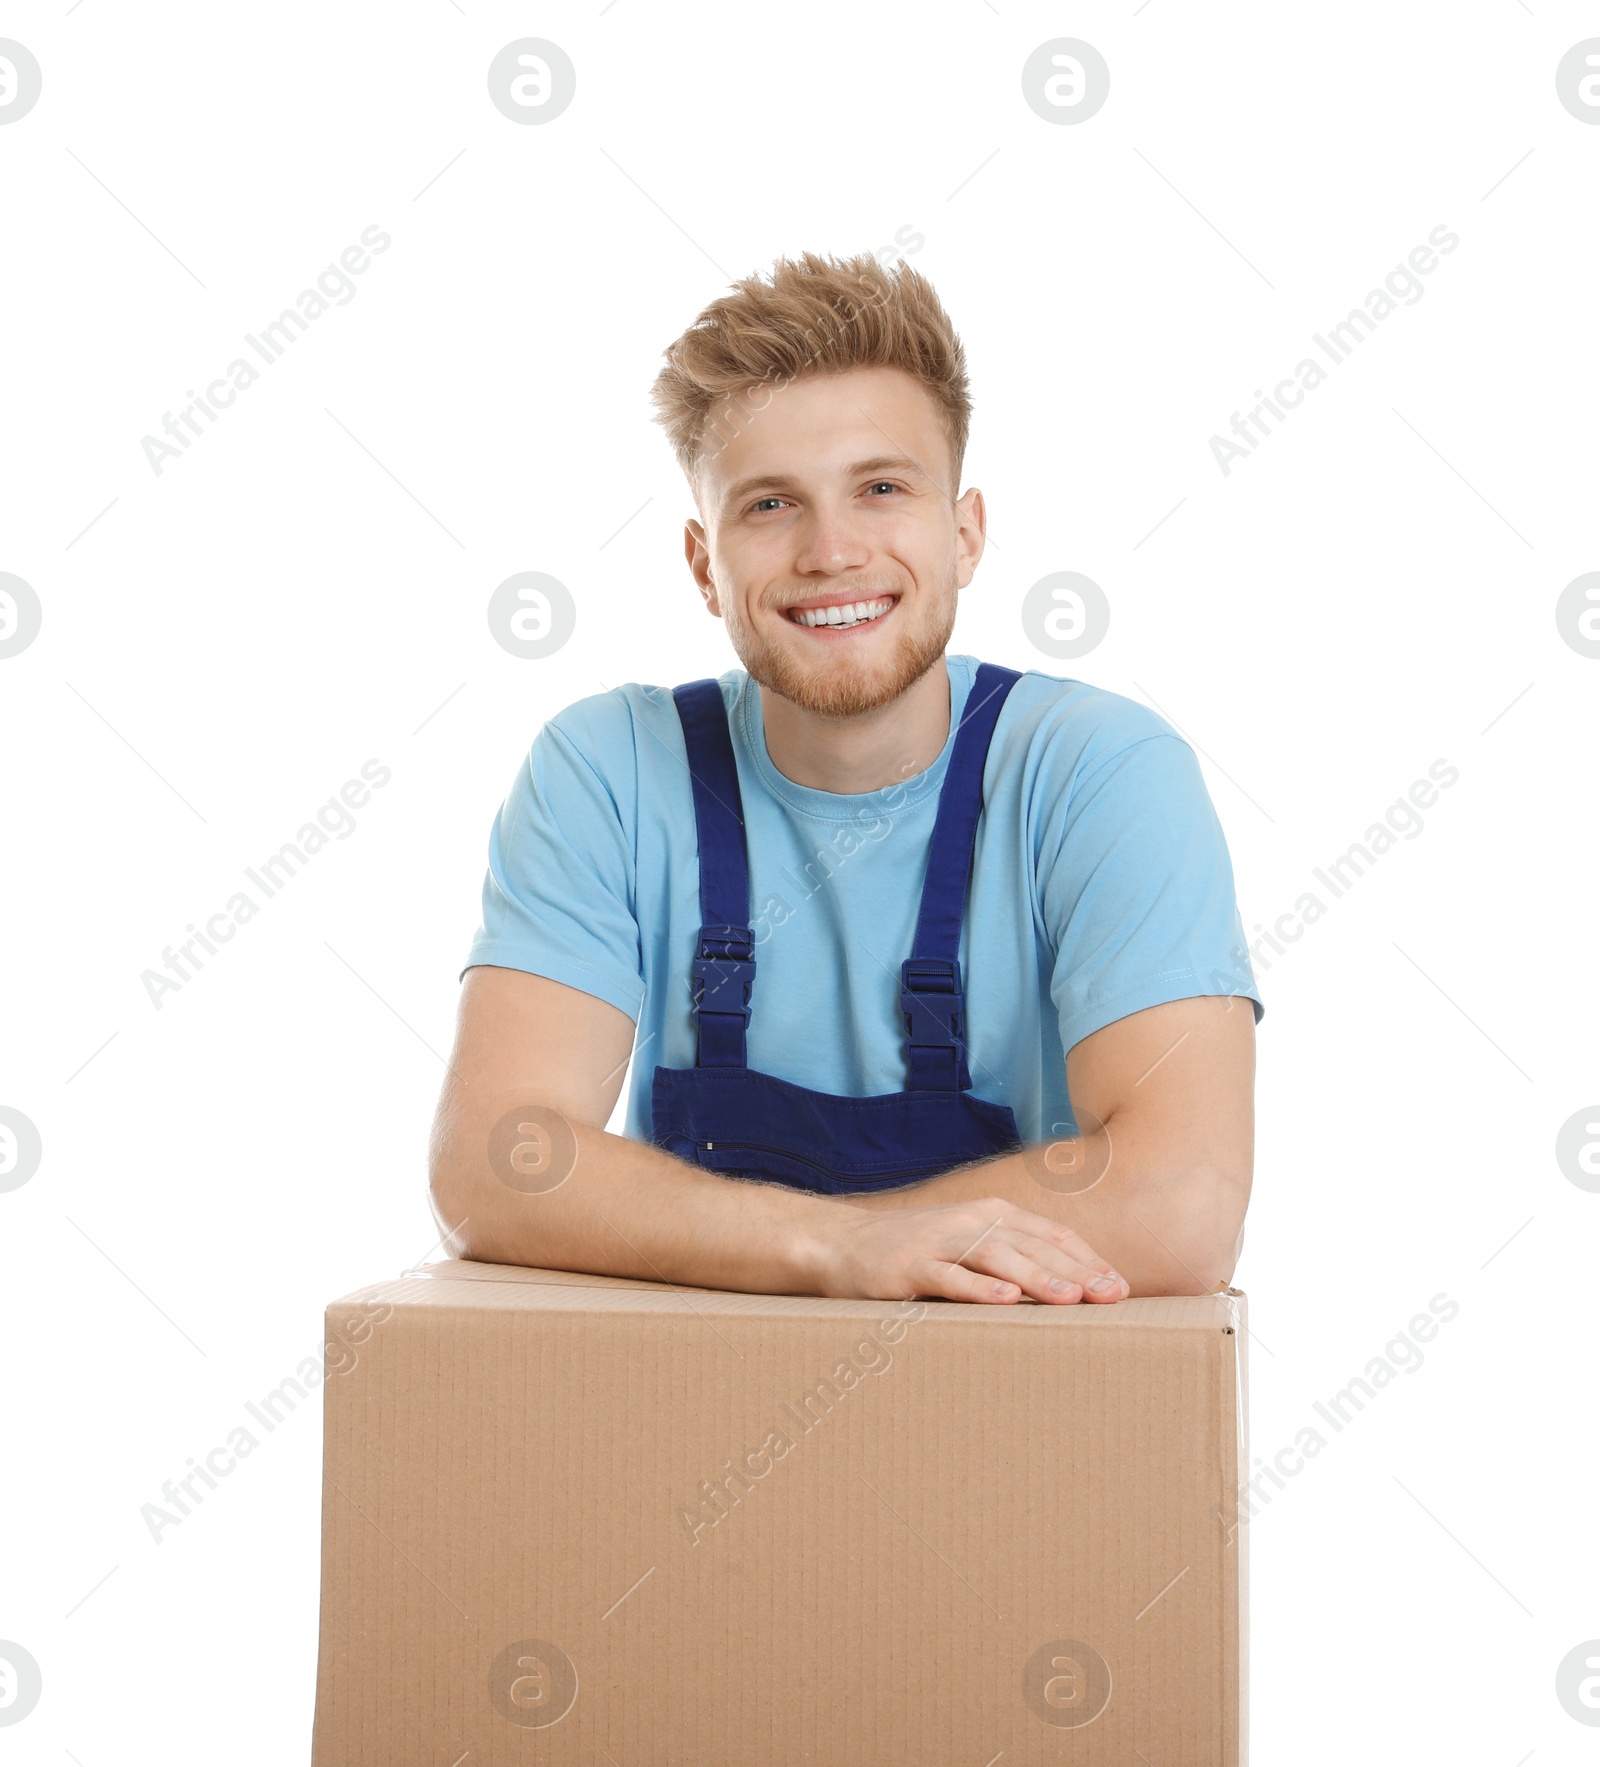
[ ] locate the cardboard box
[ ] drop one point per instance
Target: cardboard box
(576, 1519)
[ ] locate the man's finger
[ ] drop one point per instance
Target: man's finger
(1035, 1260)
(957, 1282)
(1040, 1272)
(1086, 1272)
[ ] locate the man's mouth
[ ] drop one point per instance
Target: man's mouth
(843, 615)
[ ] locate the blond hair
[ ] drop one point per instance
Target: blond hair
(812, 316)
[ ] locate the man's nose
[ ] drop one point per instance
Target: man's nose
(830, 543)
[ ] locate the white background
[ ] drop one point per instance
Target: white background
(224, 644)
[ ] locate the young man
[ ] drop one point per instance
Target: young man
(944, 956)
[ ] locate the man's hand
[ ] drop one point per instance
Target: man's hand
(988, 1250)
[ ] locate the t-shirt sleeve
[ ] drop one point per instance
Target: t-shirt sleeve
(1138, 896)
(559, 896)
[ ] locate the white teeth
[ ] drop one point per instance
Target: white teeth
(845, 614)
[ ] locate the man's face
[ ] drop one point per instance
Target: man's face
(835, 493)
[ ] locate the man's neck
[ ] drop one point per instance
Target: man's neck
(869, 752)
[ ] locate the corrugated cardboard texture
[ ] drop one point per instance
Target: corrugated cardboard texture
(561, 1525)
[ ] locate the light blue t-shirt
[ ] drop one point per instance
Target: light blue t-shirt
(1101, 885)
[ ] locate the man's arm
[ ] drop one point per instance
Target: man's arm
(574, 1197)
(1159, 1179)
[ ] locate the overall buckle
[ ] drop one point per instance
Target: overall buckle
(931, 1001)
(723, 971)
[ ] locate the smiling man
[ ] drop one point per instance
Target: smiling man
(931, 969)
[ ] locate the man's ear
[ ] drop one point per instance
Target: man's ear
(697, 552)
(971, 532)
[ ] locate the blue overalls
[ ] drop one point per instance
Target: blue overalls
(728, 1117)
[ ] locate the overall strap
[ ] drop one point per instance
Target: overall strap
(723, 970)
(932, 1004)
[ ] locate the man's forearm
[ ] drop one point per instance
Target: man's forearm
(1168, 1229)
(627, 1208)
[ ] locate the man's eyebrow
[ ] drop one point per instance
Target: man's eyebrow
(783, 482)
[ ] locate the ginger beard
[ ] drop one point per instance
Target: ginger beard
(845, 686)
